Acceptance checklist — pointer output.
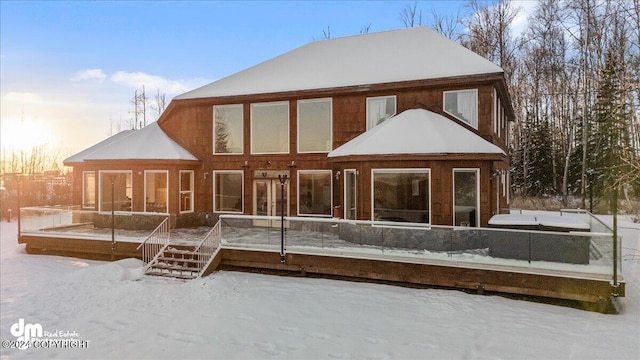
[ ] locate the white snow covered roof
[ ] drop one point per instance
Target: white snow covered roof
(419, 132)
(148, 143)
(399, 55)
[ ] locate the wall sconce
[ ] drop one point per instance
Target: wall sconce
(206, 174)
(337, 175)
(246, 164)
(293, 164)
(268, 163)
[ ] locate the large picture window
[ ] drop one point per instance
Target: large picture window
(89, 190)
(463, 105)
(314, 192)
(186, 191)
(156, 185)
(401, 195)
(228, 194)
(314, 125)
(466, 210)
(122, 195)
(350, 194)
(270, 128)
(227, 129)
(379, 109)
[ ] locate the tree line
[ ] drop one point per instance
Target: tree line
(574, 78)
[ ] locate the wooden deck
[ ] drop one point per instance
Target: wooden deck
(593, 292)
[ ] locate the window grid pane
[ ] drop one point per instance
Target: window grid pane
(401, 196)
(314, 126)
(228, 129)
(270, 128)
(463, 105)
(380, 109)
(228, 192)
(89, 190)
(314, 191)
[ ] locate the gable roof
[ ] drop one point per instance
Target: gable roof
(417, 132)
(391, 56)
(79, 157)
(148, 143)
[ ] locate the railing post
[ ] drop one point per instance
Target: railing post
(283, 179)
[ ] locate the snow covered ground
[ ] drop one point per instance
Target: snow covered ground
(115, 312)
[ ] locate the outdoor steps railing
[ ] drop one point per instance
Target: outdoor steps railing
(206, 250)
(155, 243)
(183, 261)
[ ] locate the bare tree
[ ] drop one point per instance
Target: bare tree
(411, 16)
(160, 102)
(446, 25)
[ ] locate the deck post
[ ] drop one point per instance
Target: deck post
(113, 220)
(614, 206)
(283, 179)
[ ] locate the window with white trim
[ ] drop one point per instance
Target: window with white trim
(270, 128)
(88, 189)
(186, 191)
(379, 109)
(228, 129)
(463, 105)
(314, 125)
(466, 199)
(228, 191)
(120, 195)
(156, 186)
(350, 194)
(314, 192)
(401, 195)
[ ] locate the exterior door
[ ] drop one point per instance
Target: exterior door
(268, 199)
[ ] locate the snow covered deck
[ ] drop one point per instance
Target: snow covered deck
(458, 257)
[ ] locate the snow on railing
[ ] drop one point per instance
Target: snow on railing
(206, 249)
(155, 242)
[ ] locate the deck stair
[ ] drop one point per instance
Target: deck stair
(177, 261)
(185, 260)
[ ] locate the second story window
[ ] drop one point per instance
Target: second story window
(463, 105)
(270, 128)
(379, 109)
(314, 125)
(227, 129)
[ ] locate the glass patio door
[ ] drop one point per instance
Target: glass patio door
(268, 199)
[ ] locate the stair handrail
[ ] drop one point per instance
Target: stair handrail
(155, 242)
(207, 247)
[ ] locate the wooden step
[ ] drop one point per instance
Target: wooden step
(173, 275)
(179, 251)
(164, 266)
(180, 260)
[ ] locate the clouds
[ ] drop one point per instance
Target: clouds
(89, 74)
(23, 97)
(136, 80)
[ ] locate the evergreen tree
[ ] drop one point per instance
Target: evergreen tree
(611, 130)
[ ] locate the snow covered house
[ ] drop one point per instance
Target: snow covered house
(401, 125)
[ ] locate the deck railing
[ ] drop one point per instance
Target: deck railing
(155, 242)
(206, 249)
(545, 251)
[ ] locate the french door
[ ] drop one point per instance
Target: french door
(268, 199)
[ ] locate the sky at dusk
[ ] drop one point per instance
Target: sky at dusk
(68, 70)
